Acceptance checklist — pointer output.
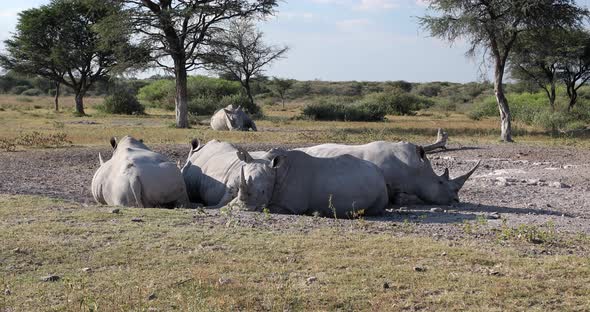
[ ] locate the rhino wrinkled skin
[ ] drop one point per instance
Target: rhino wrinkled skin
(135, 176)
(293, 182)
(405, 167)
(230, 119)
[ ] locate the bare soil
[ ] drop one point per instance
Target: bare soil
(520, 184)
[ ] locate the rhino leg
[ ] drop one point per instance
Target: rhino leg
(379, 206)
(226, 199)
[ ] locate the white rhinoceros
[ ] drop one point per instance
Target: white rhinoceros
(405, 167)
(137, 177)
(212, 172)
(231, 119)
(293, 182)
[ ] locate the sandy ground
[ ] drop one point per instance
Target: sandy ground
(520, 184)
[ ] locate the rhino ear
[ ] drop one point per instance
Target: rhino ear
(195, 143)
(114, 142)
(244, 156)
(100, 159)
(445, 175)
(278, 161)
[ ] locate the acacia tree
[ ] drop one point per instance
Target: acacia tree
(65, 41)
(574, 66)
(494, 26)
(181, 31)
(280, 87)
(241, 52)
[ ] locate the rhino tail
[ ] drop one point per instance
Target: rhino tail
(135, 184)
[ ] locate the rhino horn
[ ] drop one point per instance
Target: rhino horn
(100, 159)
(445, 175)
(459, 181)
(243, 184)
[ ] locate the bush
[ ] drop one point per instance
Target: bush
(32, 92)
(123, 102)
(358, 111)
(398, 102)
(159, 93)
(19, 89)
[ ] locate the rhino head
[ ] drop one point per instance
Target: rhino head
(257, 180)
(126, 141)
(234, 117)
(434, 189)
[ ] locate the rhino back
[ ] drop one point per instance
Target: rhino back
(344, 183)
(219, 121)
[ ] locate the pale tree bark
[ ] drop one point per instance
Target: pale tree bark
(505, 117)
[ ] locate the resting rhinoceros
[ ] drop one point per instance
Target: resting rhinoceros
(212, 172)
(293, 182)
(137, 177)
(405, 167)
(231, 118)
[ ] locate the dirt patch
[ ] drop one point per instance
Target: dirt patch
(516, 184)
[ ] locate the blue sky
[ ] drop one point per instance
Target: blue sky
(373, 40)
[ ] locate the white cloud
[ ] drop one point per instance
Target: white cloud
(353, 24)
(12, 13)
(422, 3)
(305, 16)
(377, 5)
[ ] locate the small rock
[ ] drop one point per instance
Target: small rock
(137, 220)
(386, 285)
(443, 254)
(532, 181)
(494, 216)
(419, 269)
(223, 281)
(7, 292)
(558, 185)
(502, 184)
(403, 209)
(87, 270)
(311, 279)
(436, 209)
(549, 206)
(17, 250)
(152, 296)
(116, 210)
(50, 278)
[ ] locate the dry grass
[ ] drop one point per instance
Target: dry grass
(279, 127)
(180, 259)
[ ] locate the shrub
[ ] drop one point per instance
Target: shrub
(327, 110)
(203, 105)
(19, 89)
(159, 93)
(398, 102)
(123, 102)
(32, 92)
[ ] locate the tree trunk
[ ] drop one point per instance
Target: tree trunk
(249, 94)
(57, 85)
(552, 96)
(283, 100)
(573, 99)
(80, 103)
(505, 117)
(181, 98)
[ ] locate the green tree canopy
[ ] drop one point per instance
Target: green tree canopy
(72, 42)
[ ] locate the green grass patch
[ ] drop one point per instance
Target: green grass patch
(190, 260)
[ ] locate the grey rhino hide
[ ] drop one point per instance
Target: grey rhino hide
(230, 118)
(135, 176)
(405, 167)
(297, 183)
(211, 173)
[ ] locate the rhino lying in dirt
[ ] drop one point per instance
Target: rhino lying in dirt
(405, 167)
(293, 182)
(137, 177)
(231, 118)
(212, 172)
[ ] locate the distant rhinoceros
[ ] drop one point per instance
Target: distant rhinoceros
(405, 167)
(231, 118)
(212, 172)
(137, 177)
(293, 182)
